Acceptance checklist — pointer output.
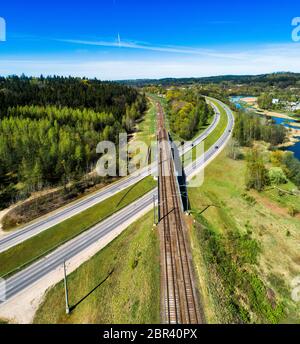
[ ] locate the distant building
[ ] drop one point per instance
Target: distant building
(295, 106)
(275, 101)
(292, 106)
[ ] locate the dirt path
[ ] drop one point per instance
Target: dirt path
(275, 208)
(273, 114)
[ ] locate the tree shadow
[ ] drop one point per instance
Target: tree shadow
(91, 292)
(181, 177)
(126, 194)
(171, 211)
(207, 207)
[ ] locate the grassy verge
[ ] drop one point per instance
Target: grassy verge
(216, 134)
(163, 102)
(159, 99)
(285, 200)
(129, 295)
(32, 249)
(219, 130)
(245, 261)
(146, 129)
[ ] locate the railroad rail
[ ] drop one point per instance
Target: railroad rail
(179, 302)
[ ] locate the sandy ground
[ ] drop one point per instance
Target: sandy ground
(293, 137)
(249, 100)
(296, 124)
(273, 114)
(276, 114)
(2, 214)
(21, 308)
(294, 132)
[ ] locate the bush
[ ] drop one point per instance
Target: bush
(249, 199)
(277, 176)
(256, 174)
(292, 165)
(293, 211)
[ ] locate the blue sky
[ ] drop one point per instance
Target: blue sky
(120, 39)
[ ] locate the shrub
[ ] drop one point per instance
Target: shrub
(249, 199)
(256, 174)
(277, 176)
(293, 211)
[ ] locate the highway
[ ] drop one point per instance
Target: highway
(75, 208)
(210, 154)
(33, 273)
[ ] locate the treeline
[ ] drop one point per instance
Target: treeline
(282, 86)
(188, 112)
(292, 167)
(281, 80)
(250, 127)
(284, 166)
(70, 92)
(50, 128)
(265, 101)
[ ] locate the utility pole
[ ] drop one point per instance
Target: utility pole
(154, 217)
(66, 290)
(158, 200)
(186, 201)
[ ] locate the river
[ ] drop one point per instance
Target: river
(282, 121)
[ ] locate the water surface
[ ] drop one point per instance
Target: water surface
(288, 123)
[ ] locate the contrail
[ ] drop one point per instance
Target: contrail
(168, 49)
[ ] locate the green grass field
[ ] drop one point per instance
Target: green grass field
(211, 139)
(215, 135)
(130, 294)
(31, 249)
(146, 129)
(257, 292)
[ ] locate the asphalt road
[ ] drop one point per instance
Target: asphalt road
(27, 277)
(69, 211)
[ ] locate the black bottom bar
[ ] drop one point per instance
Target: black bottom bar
(134, 333)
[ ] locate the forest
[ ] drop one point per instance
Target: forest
(250, 127)
(283, 86)
(281, 80)
(50, 128)
(188, 112)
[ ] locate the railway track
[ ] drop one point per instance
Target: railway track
(179, 300)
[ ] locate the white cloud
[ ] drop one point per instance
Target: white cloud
(264, 59)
